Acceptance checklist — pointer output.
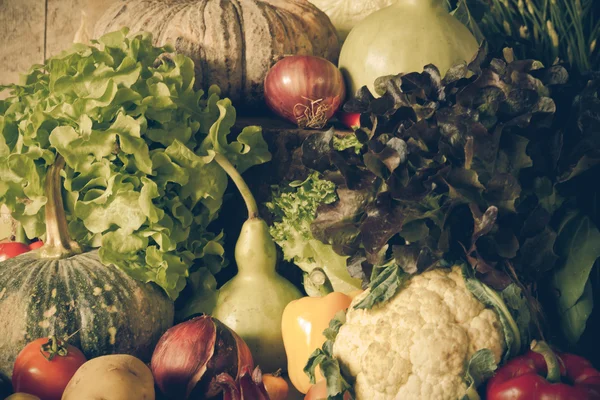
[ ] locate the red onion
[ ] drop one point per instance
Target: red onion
(248, 386)
(189, 357)
(305, 90)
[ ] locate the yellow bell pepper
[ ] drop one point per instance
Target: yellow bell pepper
(302, 326)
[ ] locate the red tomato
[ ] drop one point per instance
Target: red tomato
(36, 245)
(351, 120)
(319, 392)
(12, 249)
(35, 374)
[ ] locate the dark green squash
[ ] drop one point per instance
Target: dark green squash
(60, 290)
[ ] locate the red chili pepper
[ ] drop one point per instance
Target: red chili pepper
(12, 249)
(521, 378)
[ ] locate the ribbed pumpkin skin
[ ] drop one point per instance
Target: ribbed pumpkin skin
(113, 312)
(233, 43)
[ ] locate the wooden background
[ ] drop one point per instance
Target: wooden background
(33, 30)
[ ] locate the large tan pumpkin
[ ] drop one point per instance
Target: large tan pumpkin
(233, 43)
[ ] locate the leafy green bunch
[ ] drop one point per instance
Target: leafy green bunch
(547, 30)
(139, 142)
(492, 165)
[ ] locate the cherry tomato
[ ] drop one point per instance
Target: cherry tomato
(44, 368)
(12, 249)
(319, 392)
(350, 120)
(276, 386)
(36, 245)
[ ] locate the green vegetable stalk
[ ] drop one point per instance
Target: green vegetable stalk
(252, 302)
(546, 30)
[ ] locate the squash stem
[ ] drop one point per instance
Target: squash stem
(243, 188)
(58, 242)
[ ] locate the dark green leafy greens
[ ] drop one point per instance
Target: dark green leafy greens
(481, 166)
(440, 167)
(138, 141)
(578, 246)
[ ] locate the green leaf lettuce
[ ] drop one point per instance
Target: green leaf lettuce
(139, 142)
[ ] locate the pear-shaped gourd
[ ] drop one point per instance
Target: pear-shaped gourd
(403, 38)
(252, 302)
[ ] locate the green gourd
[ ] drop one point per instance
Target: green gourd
(252, 302)
(403, 38)
(60, 289)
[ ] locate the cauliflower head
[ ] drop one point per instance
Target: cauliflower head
(418, 345)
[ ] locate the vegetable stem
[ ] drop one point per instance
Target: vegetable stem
(58, 244)
(237, 179)
(542, 348)
(318, 280)
(19, 235)
(54, 347)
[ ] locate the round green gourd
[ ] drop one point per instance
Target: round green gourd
(345, 14)
(60, 290)
(403, 38)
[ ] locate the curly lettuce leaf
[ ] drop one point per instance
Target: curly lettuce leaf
(294, 208)
(139, 141)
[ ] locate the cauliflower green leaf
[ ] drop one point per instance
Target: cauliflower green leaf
(323, 358)
(482, 366)
(510, 305)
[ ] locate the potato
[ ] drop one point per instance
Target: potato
(113, 377)
(22, 396)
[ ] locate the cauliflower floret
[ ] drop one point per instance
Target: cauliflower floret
(418, 344)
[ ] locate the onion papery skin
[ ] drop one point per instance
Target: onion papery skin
(190, 355)
(296, 84)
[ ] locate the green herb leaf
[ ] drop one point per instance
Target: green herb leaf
(578, 245)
